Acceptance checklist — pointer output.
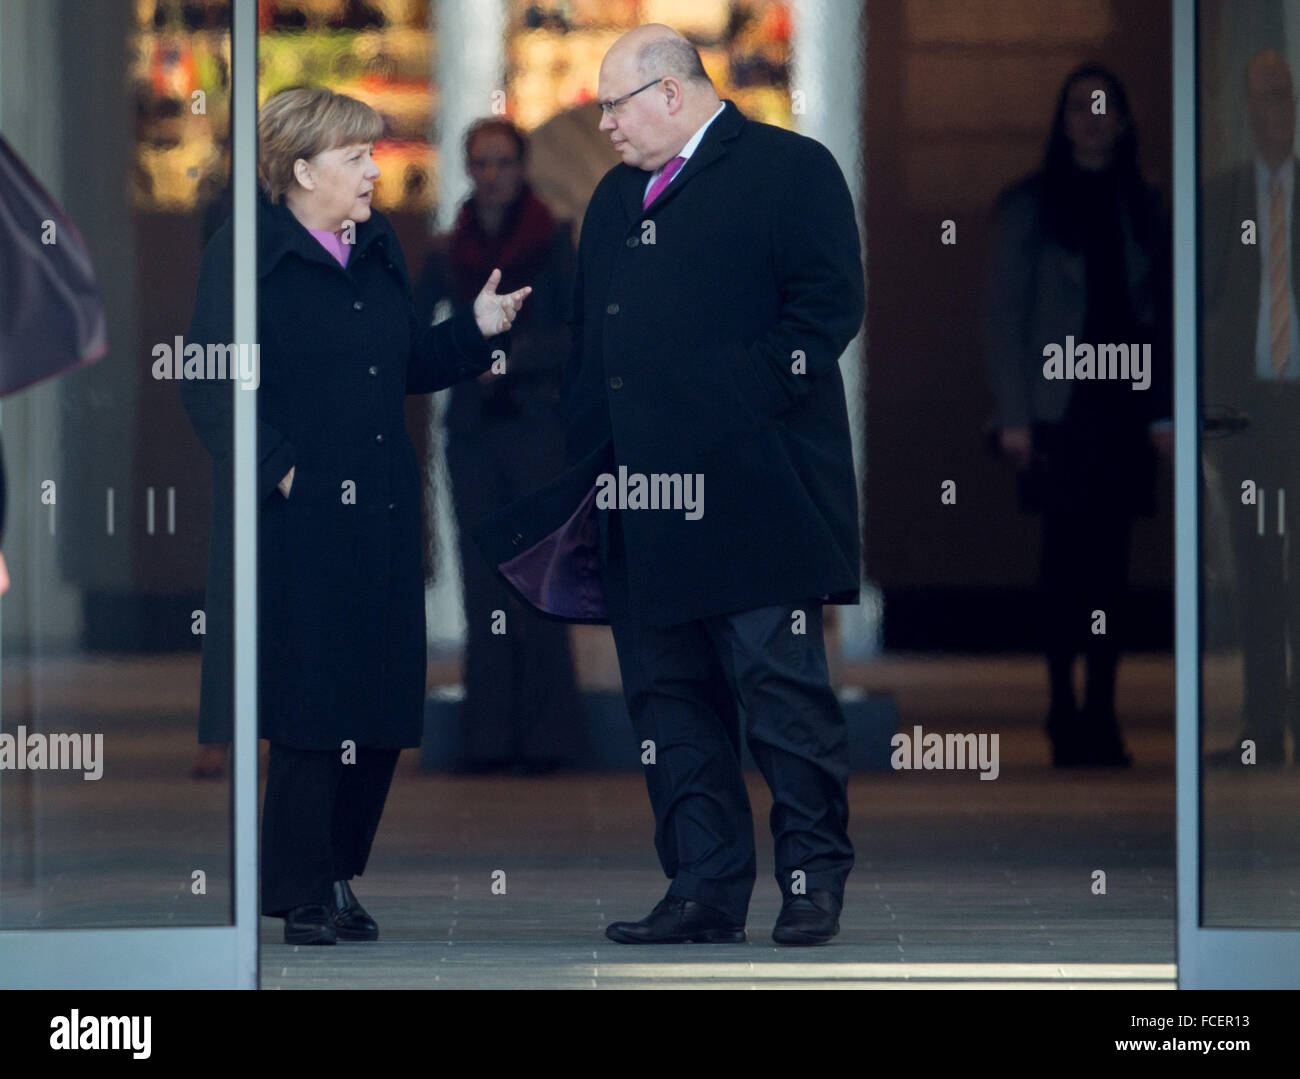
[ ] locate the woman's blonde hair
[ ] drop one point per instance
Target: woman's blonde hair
(303, 122)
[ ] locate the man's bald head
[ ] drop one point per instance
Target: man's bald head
(651, 126)
(654, 50)
(671, 54)
(1270, 104)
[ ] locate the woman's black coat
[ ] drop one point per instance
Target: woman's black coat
(341, 624)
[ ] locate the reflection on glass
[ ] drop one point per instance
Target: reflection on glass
(1250, 390)
(108, 491)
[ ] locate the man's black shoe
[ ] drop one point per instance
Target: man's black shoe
(309, 924)
(678, 921)
(349, 918)
(808, 919)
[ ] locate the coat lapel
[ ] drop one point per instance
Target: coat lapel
(712, 147)
(279, 233)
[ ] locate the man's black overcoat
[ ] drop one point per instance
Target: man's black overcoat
(707, 332)
(341, 624)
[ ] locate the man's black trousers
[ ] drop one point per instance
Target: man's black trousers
(686, 687)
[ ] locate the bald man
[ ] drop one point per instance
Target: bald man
(710, 507)
(1252, 365)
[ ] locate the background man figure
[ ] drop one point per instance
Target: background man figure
(1252, 366)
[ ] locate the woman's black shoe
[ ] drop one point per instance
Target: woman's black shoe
(1070, 751)
(1106, 750)
(1064, 728)
(1087, 739)
(350, 920)
(309, 924)
(1104, 742)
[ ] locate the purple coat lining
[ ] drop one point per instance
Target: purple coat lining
(560, 574)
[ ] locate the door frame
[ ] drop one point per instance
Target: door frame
(1207, 958)
(199, 957)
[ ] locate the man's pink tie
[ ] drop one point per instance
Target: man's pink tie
(670, 170)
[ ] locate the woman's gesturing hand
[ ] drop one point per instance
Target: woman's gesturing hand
(495, 314)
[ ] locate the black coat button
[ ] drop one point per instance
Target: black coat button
(616, 383)
(379, 438)
(632, 241)
(357, 305)
(373, 371)
(612, 309)
(392, 506)
(516, 539)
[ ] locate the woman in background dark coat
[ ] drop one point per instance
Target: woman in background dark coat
(504, 439)
(1081, 248)
(341, 625)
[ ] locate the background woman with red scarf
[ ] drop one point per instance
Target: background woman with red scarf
(504, 439)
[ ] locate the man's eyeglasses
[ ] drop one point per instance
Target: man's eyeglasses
(609, 108)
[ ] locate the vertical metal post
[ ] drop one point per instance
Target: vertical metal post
(1187, 652)
(243, 113)
(827, 65)
(468, 65)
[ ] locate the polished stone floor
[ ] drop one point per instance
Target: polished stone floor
(958, 882)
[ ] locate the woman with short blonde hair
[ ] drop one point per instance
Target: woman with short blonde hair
(304, 122)
(341, 623)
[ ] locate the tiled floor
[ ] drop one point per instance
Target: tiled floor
(959, 881)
